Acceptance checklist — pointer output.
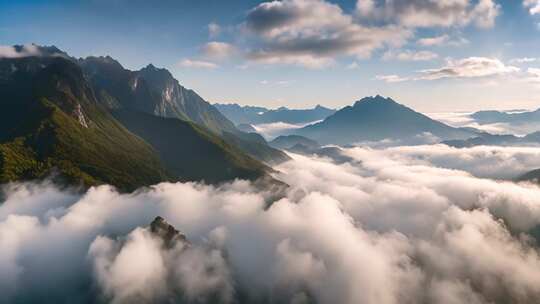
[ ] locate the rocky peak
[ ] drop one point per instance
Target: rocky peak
(170, 235)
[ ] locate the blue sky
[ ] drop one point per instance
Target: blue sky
(435, 56)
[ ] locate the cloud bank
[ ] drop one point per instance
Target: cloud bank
(377, 229)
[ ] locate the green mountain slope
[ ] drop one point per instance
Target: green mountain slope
(155, 91)
(189, 151)
(52, 123)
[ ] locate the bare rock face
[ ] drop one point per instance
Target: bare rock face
(170, 235)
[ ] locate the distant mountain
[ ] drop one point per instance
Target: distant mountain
(289, 141)
(241, 114)
(377, 118)
(259, 115)
(488, 117)
(486, 139)
(55, 121)
(531, 176)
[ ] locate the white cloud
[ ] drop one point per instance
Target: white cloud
(400, 225)
(523, 60)
(198, 64)
(469, 68)
(428, 13)
(23, 51)
(312, 33)
(533, 6)
(442, 40)
(408, 55)
(391, 78)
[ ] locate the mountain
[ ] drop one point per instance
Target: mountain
(55, 121)
(377, 118)
(259, 115)
(240, 114)
(486, 139)
(487, 117)
(289, 141)
(155, 91)
(52, 122)
(189, 151)
(531, 176)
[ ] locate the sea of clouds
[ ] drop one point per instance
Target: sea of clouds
(398, 225)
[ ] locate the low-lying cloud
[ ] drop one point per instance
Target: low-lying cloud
(390, 226)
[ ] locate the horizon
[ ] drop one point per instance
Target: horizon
(240, 52)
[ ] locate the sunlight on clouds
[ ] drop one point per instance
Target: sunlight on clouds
(389, 226)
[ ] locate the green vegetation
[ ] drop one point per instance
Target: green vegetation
(105, 152)
(190, 151)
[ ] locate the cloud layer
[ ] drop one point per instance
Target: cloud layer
(389, 226)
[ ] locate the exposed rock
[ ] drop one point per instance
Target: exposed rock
(170, 235)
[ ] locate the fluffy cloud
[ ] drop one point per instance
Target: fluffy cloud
(408, 55)
(312, 33)
(19, 52)
(380, 228)
(533, 6)
(469, 68)
(428, 13)
(198, 64)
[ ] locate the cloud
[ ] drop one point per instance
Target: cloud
(218, 50)
(470, 67)
(275, 129)
(533, 6)
(312, 33)
(389, 226)
(522, 60)
(533, 75)
(214, 30)
(427, 13)
(353, 66)
(391, 78)
(197, 64)
(442, 40)
(408, 55)
(19, 52)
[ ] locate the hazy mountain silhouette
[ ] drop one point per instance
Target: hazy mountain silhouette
(259, 115)
(378, 118)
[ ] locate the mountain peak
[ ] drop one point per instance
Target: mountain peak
(170, 235)
(377, 99)
(152, 69)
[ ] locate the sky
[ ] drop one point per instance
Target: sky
(435, 56)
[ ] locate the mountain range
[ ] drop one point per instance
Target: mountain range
(260, 115)
(378, 118)
(521, 117)
(486, 139)
(90, 121)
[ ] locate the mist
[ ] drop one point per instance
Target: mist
(425, 224)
